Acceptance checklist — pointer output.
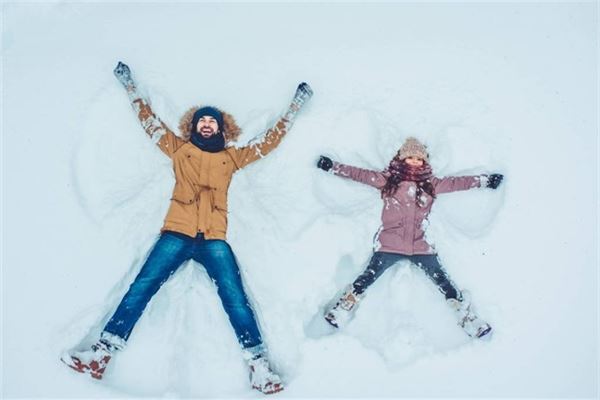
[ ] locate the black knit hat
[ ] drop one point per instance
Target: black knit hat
(211, 112)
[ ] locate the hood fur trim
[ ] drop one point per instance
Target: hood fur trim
(231, 130)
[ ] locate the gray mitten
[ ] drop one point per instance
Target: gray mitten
(123, 74)
(303, 94)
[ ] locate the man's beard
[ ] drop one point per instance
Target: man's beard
(207, 132)
(213, 144)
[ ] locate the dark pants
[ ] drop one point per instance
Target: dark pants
(428, 263)
(170, 251)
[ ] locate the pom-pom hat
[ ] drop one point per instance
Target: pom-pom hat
(413, 148)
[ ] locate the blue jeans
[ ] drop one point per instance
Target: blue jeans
(170, 251)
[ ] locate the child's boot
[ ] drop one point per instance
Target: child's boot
(466, 318)
(343, 310)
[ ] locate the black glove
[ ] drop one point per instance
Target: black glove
(324, 163)
(494, 180)
(123, 74)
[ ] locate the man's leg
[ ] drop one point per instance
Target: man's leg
(219, 261)
(169, 252)
(166, 256)
(430, 264)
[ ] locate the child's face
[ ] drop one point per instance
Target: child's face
(414, 161)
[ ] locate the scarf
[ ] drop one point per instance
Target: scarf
(399, 171)
(213, 144)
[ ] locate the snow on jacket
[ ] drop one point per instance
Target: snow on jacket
(403, 221)
(199, 200)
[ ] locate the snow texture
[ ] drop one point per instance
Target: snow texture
(489, 87)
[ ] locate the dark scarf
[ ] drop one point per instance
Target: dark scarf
(399, 171)
(213, 144)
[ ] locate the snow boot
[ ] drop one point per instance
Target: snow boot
(343, 310)
(94, 361)
(467, 319)
(262, 377)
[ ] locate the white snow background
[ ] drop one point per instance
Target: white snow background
(489, 87)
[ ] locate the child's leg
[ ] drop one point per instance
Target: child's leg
(430, 264)
(378, 264)
(461, 304)
(345, 306)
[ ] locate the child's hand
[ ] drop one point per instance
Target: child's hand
(325, 163)
(494, 180)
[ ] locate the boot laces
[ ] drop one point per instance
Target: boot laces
(261, 372)
(348, 301)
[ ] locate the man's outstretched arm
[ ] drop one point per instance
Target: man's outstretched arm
(158, 131)
(254, 151)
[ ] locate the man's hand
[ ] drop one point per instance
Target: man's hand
(303, 93)
(494, 180)
(123, 74)
(324, 163)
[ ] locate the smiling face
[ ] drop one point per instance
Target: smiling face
(207, 126)
(414, 161)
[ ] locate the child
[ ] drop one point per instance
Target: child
(408, 189)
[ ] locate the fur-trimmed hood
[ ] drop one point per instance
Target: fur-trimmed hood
(231, 130)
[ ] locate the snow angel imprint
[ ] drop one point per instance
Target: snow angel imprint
(195, 227)
(408, 190)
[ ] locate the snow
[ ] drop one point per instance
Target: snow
(489, 87)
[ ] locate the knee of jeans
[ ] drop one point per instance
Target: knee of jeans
(146, 284)
(234, 300)
(233, 297)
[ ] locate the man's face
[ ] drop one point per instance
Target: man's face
(207, 126)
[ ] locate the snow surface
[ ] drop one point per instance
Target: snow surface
(490, 87)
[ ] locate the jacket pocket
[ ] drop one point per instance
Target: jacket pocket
(218, 221)
(182, 196)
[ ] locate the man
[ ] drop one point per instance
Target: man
(195, 227)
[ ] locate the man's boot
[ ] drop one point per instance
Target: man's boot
(262, 377)
(94, 360)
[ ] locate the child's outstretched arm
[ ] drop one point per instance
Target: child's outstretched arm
(458, 183)
(154, 127)
(366, 176)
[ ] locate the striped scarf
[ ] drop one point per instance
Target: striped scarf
(399, 171)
